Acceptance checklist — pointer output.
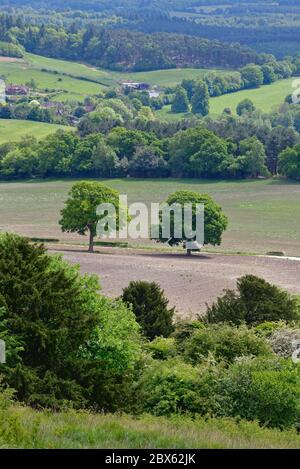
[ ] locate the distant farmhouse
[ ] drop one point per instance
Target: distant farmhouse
(134, 86)
(16, 90)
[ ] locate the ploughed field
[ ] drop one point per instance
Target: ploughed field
(263, 216)
(189, 283)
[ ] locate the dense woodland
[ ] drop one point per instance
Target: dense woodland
(263, 25)
(124, 50)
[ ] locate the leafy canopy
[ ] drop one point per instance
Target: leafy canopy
(215, 222)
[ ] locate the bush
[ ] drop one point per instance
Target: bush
(266, 390)
(266, 329)
(66, 345)
(257, 301)
(224, 343)
(150, 308)
(162, 349)
(116, 340)
(184, 331)
(174, 387)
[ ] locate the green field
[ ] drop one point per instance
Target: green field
(14, 130)
(109, 78)
(265, 98)
(165, 78)
(74, 81)
(26, 428)
(264, 215)
(66, 86)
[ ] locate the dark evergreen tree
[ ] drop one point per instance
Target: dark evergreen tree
(150, 307)
(200, 100)
(181, 102)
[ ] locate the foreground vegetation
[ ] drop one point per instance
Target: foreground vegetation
(67, 346)
(25, 428)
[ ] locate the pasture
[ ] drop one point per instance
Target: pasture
(14, 130)
(265, 98)
(74, 81)
(52, 78)
(264, 215)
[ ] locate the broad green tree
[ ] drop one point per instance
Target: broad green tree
(215, 221)
(80, 212)
(252, 160)
(245, 106)
(289, 163)
(252, 76)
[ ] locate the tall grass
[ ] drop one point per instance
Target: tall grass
(22, 427)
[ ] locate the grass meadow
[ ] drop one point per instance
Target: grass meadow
(264, 215)
(265, 98)
(74, 81)
(14, 130)
(29, 429)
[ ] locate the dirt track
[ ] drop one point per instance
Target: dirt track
(189, 283)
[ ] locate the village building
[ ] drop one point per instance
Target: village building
(16, 90)
(134, 86)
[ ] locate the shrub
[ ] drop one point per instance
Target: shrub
(184, 331)
(224, 342)
(255, 302)
(115, 343)
(266, 390)
(174, 387)
(162, 348)
(150, 307)
(266, 329)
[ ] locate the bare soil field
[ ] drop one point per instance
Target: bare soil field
(10, 59)
(189, 283)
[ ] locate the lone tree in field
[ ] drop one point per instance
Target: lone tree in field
(215, 222)
(80, 212)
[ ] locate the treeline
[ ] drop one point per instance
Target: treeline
(11, 50)
(265, 27)
(250, 76)
(226, 148)
(27, 111)
(125, 50)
